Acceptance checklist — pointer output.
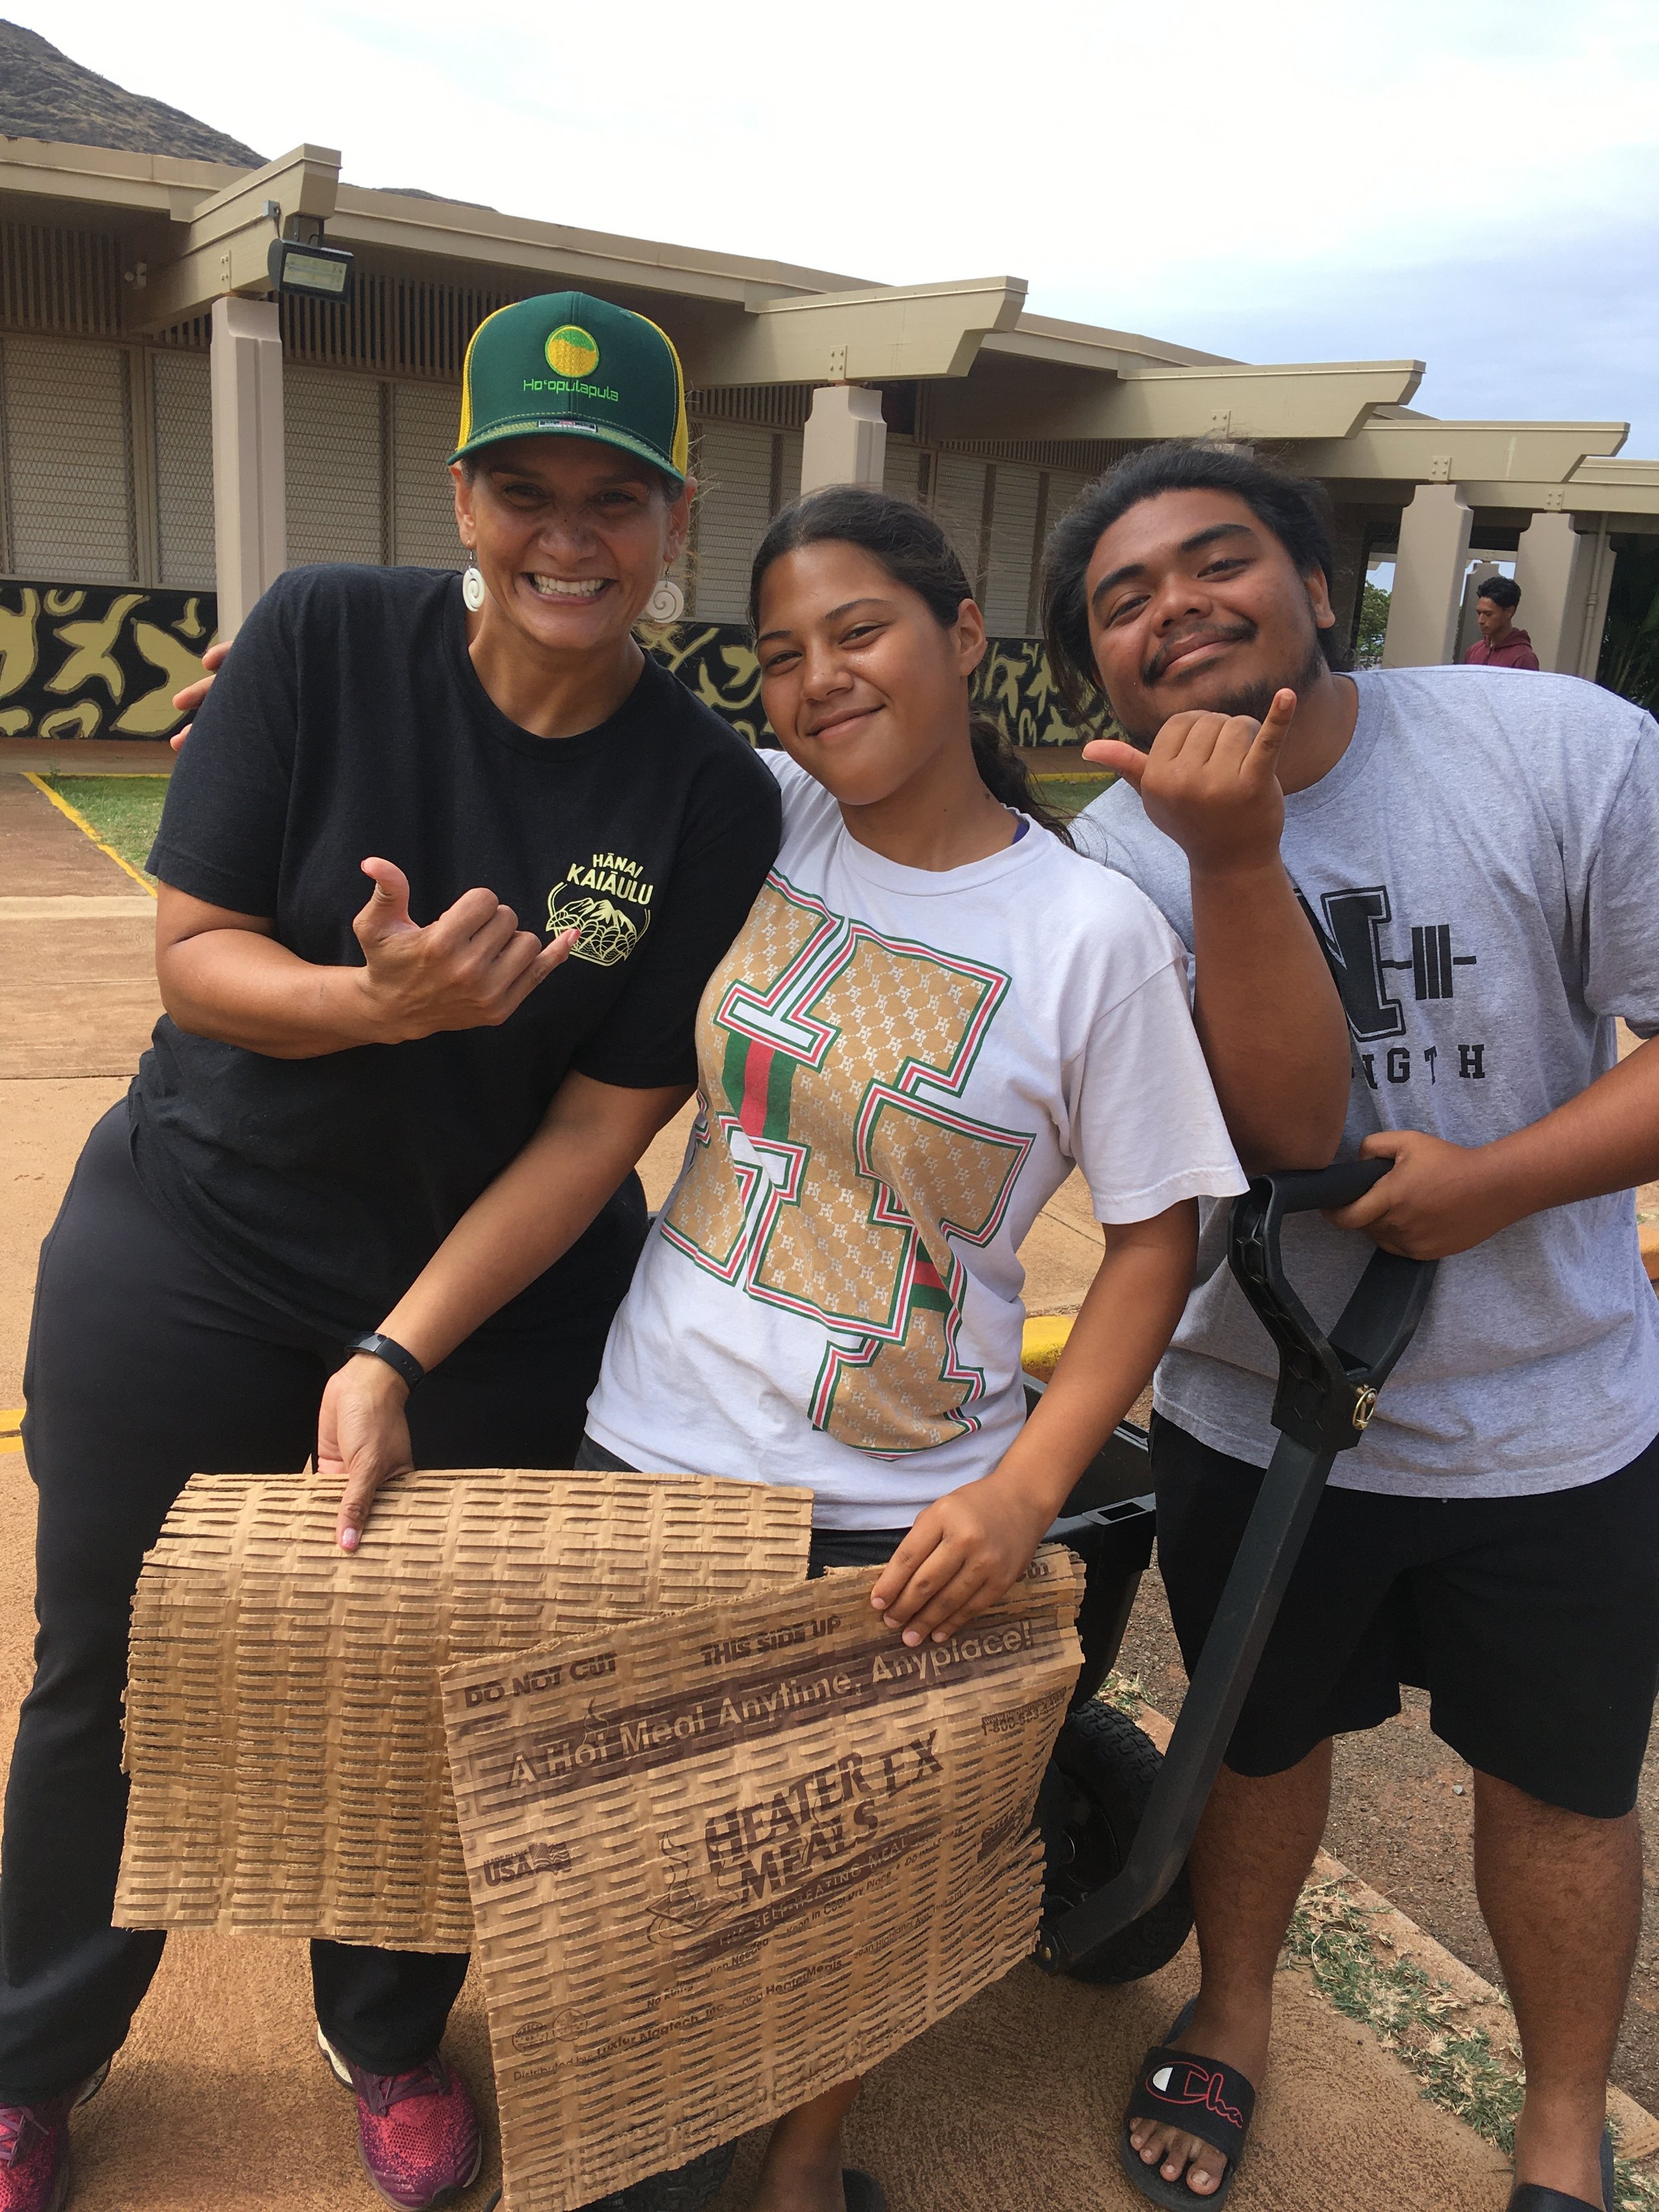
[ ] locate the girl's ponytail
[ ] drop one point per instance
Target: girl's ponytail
(1007, 777)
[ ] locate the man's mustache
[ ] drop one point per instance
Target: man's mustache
(1237, 633)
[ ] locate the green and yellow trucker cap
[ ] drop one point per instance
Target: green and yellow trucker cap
(567, 365)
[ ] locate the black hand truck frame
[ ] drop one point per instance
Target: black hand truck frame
(1117, 1821)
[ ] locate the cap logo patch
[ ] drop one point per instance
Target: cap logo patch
(572, 352)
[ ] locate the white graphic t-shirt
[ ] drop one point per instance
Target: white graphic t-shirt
(897, 1068)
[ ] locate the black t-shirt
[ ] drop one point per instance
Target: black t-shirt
(348, 721)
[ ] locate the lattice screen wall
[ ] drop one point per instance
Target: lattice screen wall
(184, 471)
(336, 465)
(69, 510)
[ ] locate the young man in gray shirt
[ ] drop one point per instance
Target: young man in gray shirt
(1473, 851)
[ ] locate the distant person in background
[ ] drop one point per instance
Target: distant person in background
(1500, 644)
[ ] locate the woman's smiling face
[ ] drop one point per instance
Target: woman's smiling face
(860, 682)
(570, 536)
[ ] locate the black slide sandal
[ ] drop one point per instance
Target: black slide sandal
(863, 2192)
(1533, 2196)
(1202, 2097)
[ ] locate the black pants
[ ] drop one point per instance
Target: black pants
(145, 1366)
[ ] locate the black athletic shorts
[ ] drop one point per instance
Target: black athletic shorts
(1532, 1622)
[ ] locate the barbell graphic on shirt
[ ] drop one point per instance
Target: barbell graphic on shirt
(1351, 939)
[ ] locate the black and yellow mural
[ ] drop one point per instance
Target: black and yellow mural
(717, 662)
(1015, 684)
(96, 660)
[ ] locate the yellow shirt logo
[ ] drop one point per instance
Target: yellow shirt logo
(608, 899)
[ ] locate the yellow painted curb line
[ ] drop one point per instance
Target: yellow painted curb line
(11, 1419)
(86, 830)
(1043, 1340)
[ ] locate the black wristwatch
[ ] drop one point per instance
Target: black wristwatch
(387, 1348)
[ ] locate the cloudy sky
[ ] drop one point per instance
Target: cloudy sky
(1476, 186)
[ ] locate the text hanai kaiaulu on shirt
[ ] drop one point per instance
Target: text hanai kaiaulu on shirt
(898, 1069)
(1482, 869)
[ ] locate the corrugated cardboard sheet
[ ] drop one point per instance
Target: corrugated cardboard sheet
(721, 1862)
(284, 1730)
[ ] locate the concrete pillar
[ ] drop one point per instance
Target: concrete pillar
(1555, 568)
(250, 521)
(845, 440)
(1348, 581)
(1428, 578)
(1592, 588)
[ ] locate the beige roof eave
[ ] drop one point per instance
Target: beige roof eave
(1035, 398)
(1601, 485)
(1304, 399)
(1081, 345)
(1493, 454)
(398, 223)
(105, 177)
(877, 333)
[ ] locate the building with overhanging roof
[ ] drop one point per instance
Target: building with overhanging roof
(173, 435)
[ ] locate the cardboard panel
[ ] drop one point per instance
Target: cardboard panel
(721, 1862)
(284, 1730)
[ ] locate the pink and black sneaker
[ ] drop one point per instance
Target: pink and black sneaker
(34, 2164)
(417, 2133)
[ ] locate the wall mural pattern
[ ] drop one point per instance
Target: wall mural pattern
(97, 660)
(94, 660)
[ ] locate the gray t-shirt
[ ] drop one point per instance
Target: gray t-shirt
(1481, 866)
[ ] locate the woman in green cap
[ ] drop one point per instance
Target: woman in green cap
(559, 842)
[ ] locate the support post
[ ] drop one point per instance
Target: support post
(250, 522)
(1428, 578)
(1555, 569)
(845, 441)
(1598, 559)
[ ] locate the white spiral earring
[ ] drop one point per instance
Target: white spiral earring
(666, 604)
(472, 584)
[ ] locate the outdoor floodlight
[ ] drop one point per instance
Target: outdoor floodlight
(314, 272)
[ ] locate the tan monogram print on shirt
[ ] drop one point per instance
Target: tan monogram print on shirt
(832, 1155)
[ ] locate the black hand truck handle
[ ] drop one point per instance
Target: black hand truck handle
(1327, 1393)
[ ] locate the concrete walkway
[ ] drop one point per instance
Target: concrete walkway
(219, 2099)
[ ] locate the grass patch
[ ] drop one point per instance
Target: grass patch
(1070, 794)
(1459, 2069)
(124, 810)
(1123, 1692)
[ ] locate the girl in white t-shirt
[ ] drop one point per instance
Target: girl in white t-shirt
(934, 1011)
